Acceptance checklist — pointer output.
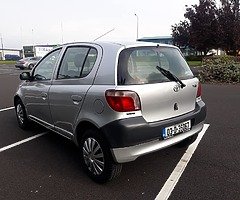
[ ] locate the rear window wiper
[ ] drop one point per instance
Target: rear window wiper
(170, 76)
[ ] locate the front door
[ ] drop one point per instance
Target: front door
(36, 91)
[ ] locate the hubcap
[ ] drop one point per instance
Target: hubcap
(20, 114)
(93, 156)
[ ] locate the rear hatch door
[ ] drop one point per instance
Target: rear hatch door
(160, 97)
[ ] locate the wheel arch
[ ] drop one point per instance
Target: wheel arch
(16, 98)
(82, 127)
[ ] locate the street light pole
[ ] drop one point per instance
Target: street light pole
(137, 24)
(2, 47)
(62, 31)
(32, 37)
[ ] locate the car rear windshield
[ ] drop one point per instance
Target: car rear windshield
(138, 65)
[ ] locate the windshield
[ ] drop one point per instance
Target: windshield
(138, 65)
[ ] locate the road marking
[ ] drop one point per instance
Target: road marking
(22, 141)
(5, 109)
(179, 169)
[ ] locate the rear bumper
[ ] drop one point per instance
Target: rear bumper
(132, 137)
(127, 154)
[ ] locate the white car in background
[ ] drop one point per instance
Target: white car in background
(28, 62)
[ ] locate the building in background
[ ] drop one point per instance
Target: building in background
(186, 51)
(10, 54)
(27, 51)
(157, 39)
(37, 50)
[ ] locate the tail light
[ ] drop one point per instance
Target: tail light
(199, 90)
(122, 100)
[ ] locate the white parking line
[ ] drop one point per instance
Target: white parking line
(5, 109)
(179, 169)
(22, 141)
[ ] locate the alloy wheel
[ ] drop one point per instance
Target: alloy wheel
(93, 156)
(20, 113)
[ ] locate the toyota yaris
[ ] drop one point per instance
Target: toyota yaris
(115, 101)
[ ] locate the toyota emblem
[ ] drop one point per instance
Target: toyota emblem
(176, 88)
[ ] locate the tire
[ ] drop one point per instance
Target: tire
(187, 141)
(21, 114)
(96, 158)
(30, 66)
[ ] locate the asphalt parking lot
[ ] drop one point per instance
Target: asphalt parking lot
(48, 166)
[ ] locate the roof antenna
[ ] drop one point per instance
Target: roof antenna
(104, 34)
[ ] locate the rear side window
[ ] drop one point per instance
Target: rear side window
(138, 65)
(77, 62)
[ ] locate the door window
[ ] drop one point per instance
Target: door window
(77, 62)
(45, 68)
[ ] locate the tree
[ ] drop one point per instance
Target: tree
(203, 29)
(229, 26)
(180, 34)
(207, 27)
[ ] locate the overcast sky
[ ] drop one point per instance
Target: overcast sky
(27, 22)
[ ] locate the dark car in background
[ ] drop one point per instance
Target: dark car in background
(28, 62)
(12, 57)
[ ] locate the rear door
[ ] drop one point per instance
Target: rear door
(73, 79)
(160, 98)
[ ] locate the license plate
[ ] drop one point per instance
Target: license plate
(170, 131)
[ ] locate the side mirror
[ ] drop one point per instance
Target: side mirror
(25, 76)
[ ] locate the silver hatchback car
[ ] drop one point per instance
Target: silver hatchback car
(115, 101)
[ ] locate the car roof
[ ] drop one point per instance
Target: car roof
(119, 45)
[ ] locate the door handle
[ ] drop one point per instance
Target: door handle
(76, 99)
